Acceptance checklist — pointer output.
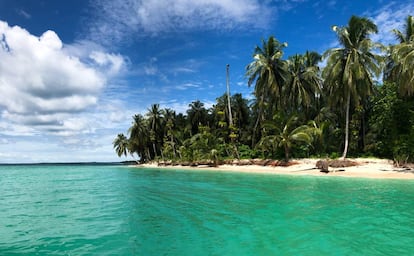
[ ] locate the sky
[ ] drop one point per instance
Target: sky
(73, 73)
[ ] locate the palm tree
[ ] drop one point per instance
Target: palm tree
(350, 69)
(407, 35)
(285, 133)
(402, 61)
(121, 144)
(169, 116)
(154, 119)
(138, 133)
(304, 82)
(241, 110)
(268, 72)
(197, 115)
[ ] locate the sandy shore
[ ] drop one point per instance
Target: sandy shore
(366, 168)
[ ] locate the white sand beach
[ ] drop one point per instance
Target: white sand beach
(366, 168)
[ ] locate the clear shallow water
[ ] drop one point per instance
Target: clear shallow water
(115, 210)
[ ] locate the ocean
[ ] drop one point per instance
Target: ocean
(120, 210)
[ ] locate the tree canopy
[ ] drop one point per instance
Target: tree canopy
(298, 109)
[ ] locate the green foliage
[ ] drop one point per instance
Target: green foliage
(285, 132)
(297, 109)
(350, 69)
(121, 145)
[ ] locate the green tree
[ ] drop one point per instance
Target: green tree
(407, 35)
(351, 68)
(138, 137)
(241, 111)
(285, 132)
(169, 133)
(402, 59)
(304, 84)
(121, 145)
(197, 115)
(268, 72)
(154, 120)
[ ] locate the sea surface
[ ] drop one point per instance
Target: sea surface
(119, 210)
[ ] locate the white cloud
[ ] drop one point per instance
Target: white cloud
(44, 84)
(112, 63)
(24, 14)
(151, 68)
(187, 86)
(389, 17)
(116, 19)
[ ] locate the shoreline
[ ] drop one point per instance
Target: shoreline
(373, 168)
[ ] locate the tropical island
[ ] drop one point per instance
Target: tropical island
(358, 103)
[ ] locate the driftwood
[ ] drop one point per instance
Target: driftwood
(324, 165)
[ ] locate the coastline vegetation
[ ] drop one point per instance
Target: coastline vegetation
(360, 104)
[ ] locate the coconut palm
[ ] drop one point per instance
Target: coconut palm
(268, 73)
(154, 119)
(121, 145)
(304, 81)
(285, 132)
(350, 68)
(169, 116)
(408, 34)
(402, 62)
(138, 133)
(241, 110)
(197, 115)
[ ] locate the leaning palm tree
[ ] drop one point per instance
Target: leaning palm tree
(351, 68)
(402, 58)
(268, 72)
(121, 145)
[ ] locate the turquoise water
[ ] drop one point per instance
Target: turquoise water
(115, 210)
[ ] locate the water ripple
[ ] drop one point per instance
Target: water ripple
(84, 210)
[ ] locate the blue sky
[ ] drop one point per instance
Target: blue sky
(73, 73)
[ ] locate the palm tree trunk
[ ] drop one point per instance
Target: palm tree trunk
(348, 103)
(155, 150)
(148, 154)
(173, 145)
(228, 96)
(254, 131)
(256, 125)
(286, 153)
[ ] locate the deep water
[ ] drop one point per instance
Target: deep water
(117, 210)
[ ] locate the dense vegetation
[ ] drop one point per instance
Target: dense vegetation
(361, 103)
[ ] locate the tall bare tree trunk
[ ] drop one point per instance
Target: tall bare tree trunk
(228, 96)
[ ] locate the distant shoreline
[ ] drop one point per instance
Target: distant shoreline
(366, 168)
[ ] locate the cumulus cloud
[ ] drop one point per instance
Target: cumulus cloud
(116, 19)
(43, 82)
